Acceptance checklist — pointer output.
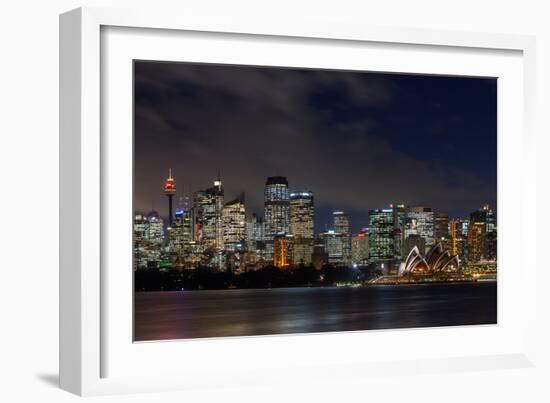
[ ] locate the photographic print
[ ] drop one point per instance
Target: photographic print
(275, 200)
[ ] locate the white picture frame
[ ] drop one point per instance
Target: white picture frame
(90, 341)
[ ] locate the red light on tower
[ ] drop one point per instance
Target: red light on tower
(170, 190)
(170, 184)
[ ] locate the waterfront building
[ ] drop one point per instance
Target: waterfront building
(381, 236)
(456, 245)
(276, 210)
(360, 248)
(283, 251)
(333, 243)
(234, 224)
(341, 226)
(476, 242)
(302, 214)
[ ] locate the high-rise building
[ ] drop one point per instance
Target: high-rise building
(234, 224)
(276, 210)
(207, 216)
(283, 251)
(360, 247)
(456, 240)
(420, 221)
(302, 214)
(148, 238)
(399, 220)
(170, 191)
(333, 243)
(381, 236)
(341, 226)
(441, 227)
(181, 231)
(476, 242)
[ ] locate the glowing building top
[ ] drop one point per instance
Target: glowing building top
(170, 184)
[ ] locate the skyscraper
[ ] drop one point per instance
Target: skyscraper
(456, 239)
(334, 247)
(476, 242)
(170, 191)
(207, 212)
(399, 220)
(420, 221)
(360, 247)
(341, 226)
(381, 236)
(276, 210)
(441, 228)
(234, 224)
(301, 226)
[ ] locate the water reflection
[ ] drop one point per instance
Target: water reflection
(193, 314)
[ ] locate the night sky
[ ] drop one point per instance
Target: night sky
(357, 140)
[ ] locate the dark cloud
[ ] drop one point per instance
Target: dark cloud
(349, 137)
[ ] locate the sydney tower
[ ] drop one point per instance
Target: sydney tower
(170, 190)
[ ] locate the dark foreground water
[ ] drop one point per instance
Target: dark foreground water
(192, 314)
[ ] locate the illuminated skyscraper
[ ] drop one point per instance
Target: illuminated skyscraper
(456, 239)
(360, 247)
(207, 216)
(148, 237)
(399, 220)
(381, 236)
(341, 226)
(170, 191)
(283, 251)
(276, 210)
(301, 226)
(476, 242)
(420, 221)
(234, 224)
(334, 247)
(441, 227)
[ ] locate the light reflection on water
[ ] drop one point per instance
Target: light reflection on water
(219, 313)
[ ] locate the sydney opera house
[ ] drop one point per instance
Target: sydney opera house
(436, 265)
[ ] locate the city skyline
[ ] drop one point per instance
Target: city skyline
(358, 140)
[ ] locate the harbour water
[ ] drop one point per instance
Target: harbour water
(247, 312)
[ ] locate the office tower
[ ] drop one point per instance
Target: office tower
(441, 226)
(341, 226)
(207, 220)
(420, 221)
(301, 226)
(170, 191)
(140, 241)
(381, 248)
(148, 237)
(456, 239)
(181, 230)
(234, 224)
(155, 229)
(276, 210)
(360, 247)
(476, 242)
(283, 251)
(399, 220)
(333, 243)
(487, 216)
